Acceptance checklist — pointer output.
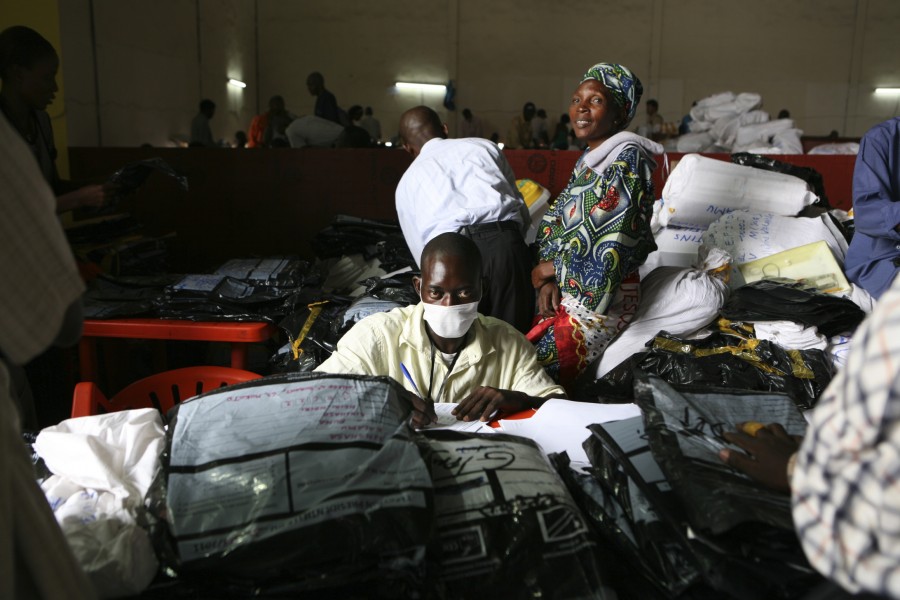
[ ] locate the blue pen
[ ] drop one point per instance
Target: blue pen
(410, 379)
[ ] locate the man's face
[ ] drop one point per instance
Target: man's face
(448, 281)
(38, 82)
(528, 112)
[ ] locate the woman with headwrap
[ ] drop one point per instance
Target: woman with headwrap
(597, 232)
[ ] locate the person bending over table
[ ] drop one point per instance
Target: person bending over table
(452, 353)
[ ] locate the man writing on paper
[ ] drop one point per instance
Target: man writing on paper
(452, 353)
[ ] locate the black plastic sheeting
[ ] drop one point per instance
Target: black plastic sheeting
(644, 511)
(767, 300)
(720, 360)
(372, 239)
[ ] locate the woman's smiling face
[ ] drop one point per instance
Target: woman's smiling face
(594, 114)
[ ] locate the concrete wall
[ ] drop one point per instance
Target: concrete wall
(821, 59)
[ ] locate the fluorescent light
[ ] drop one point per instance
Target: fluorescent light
(237, 83)
(887, 91)
(422, 87)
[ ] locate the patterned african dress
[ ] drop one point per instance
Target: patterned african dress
(597, 233)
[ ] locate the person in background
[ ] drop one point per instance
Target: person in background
(471, 126)
(354, 136)
(28, 67)
(372, 125)
(597, 232)
(843, 476)
(784, 114)
(560, 139)
(240, 140)
(201, 133)
(40, 305)
(519, 134)
(685, 125)
(313, 131)
(652, 127)
(326, 104)
(467, 186)
(269, 129)
(873, 256)
(450, 352)
(539, 136)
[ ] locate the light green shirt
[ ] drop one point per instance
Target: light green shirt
(496, 355)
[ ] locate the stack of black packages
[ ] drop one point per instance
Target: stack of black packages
(734, 358)
(686, 524)
(372, 239)
(264, 289)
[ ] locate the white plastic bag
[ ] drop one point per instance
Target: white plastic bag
(677, 300)
(700, 190)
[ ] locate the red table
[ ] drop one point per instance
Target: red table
(239, 334)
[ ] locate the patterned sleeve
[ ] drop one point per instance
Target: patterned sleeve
(846, 484)
(599, 229)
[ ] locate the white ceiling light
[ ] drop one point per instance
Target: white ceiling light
(237, 83)
(421, 87)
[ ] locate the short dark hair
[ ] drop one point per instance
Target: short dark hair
(22, 46)
(207, 104)
(652, 102)
(454, 244)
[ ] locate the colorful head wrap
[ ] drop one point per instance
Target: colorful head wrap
(624, 85)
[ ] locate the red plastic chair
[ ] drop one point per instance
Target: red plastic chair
(161, 391)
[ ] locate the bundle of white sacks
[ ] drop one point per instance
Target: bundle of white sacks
(727, 122)
(715, 215)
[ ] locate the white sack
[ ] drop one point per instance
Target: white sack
(790, 335)
(842, 148)
(675, 247)
(694, 142)
(102, 468)
(747, 235)
(673, 299)
(788, 141)
(700, 190)
(699, 126)
(761, 133)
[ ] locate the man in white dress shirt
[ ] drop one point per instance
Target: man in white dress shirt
(467, 186)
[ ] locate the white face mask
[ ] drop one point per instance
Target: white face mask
(450, 322)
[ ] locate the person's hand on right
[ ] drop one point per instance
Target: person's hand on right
(548, 299)
(768, 451)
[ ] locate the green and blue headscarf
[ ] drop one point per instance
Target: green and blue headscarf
(624, 85)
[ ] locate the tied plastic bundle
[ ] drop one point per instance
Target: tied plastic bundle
(297, 484)
(700, 190)
(506, 527)
(675, 300)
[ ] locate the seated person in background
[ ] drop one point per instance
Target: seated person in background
(845, 483)
(452, 353)
(28, 66)
(874, 253)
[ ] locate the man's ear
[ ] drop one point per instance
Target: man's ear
(446, 130)
(417, 284)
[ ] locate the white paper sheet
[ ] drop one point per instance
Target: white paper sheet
(446, 420)
(561, 425)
